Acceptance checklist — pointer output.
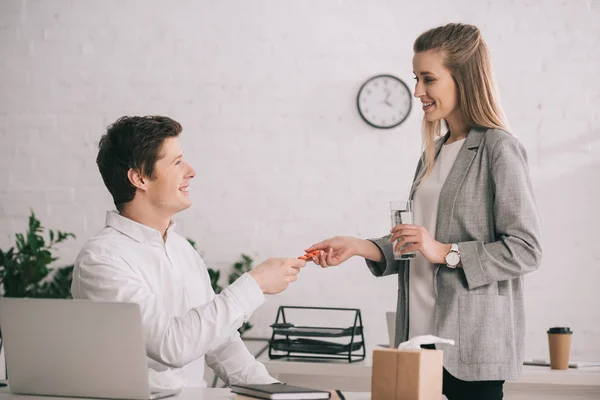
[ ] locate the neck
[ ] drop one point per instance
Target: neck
(146, 215)
(459, 128)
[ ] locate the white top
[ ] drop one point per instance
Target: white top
(184, 321)
(421, 292)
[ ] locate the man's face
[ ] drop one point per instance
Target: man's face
(167, 189)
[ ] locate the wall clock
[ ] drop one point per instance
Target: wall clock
(384, 101)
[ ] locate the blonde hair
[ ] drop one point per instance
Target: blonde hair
(467, 57)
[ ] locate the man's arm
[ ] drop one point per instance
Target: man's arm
(234, 364)
(170, 340)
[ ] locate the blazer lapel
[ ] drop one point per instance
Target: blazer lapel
(453, 182)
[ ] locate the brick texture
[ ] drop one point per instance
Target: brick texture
(266, 93)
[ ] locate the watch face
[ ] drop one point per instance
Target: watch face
(452, 259)
(384, 101)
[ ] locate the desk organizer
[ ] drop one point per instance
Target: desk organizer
(289, 340)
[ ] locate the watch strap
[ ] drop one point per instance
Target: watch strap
(453, 249)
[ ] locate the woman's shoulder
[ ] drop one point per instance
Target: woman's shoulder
(494, 137)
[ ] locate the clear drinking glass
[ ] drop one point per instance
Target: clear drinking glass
(401, 212)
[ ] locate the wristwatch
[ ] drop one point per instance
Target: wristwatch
(453, 257)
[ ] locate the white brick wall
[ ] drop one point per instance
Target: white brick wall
(265, 91)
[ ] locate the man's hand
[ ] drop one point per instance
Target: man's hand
(274, 274)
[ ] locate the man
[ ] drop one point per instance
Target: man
(139, 258)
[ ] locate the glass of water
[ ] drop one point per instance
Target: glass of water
(401, 212)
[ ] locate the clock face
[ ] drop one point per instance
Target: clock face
(384, 101)
(452, 258)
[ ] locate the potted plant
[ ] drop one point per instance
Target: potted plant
(25, 269)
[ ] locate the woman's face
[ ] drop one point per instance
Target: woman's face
(435, 86)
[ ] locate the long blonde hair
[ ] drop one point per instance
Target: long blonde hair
(467, 57)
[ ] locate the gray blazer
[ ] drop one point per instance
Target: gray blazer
(486, 206)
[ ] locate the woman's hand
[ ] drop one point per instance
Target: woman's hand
(420, 240)
(334, 251)
(338, 249)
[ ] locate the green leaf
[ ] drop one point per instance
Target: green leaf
(214, 280)
(20, 241)
(247, 259)
(24, 268)
(240, 268)
(246, 326)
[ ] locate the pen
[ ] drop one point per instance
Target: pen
(340, 395)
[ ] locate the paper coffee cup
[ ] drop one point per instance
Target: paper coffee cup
(559, 342)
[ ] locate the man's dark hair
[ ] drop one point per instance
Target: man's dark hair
(132, 142)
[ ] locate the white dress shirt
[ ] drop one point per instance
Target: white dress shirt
(184, 322)
(421, 293)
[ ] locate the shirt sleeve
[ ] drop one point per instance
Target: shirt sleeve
(517, 250)
(171, 340)
(234, 364)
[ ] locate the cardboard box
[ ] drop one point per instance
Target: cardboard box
(407, 374)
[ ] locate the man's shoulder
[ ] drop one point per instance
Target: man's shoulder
(181, 242)
(108, 243)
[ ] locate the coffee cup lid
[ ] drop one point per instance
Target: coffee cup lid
(563, 330)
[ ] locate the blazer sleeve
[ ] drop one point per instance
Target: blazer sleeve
(517, 249)
(388, 265)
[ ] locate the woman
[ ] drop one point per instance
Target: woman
(477, 230)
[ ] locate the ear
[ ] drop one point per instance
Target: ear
(137, 179)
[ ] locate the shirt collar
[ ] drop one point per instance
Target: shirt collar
(138, 232)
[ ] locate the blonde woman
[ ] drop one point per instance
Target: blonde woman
(476, 231)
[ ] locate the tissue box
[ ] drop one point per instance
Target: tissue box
(407, 374)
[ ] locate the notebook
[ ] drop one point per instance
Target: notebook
(279, 391)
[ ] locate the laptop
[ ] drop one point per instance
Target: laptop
(75, 348)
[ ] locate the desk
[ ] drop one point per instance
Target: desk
(187, 394)
(535, 382)
(225, 394)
